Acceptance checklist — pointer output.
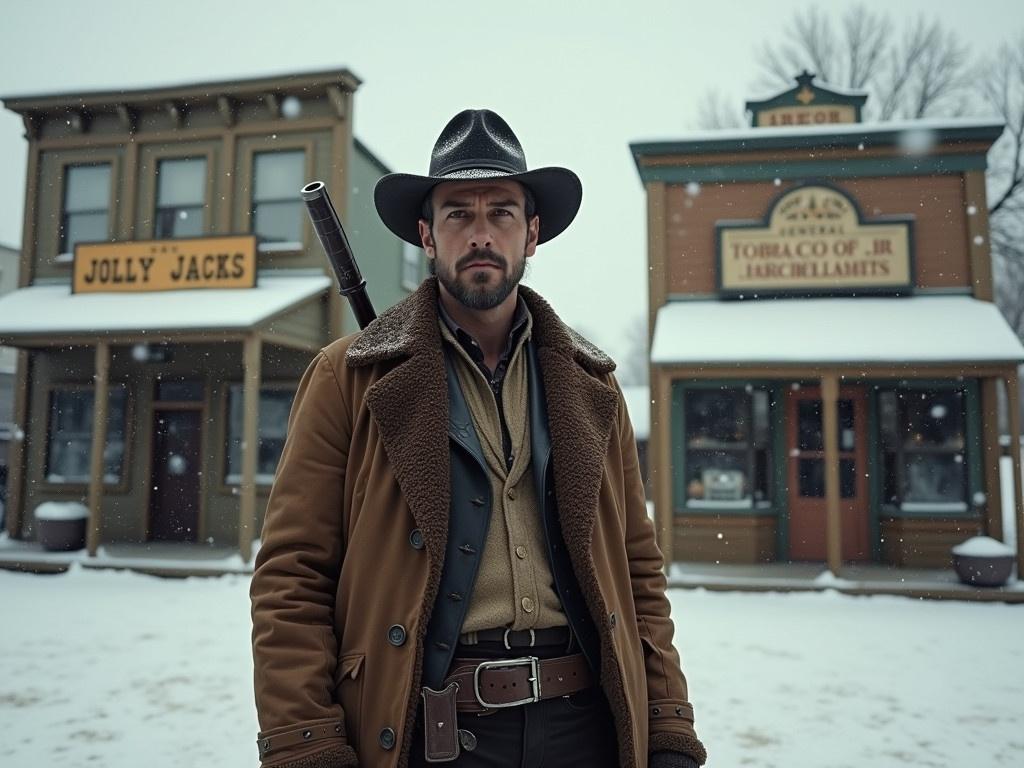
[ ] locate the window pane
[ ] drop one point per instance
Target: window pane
(275, 405)
(935, 419)
(808, 425)
(181, 182)
(179, 222)
(716, 417)
(811, 478)
(83, 228)
(932, 477)
(179, 391)
(278, 175)
(87, 188)
(70, 436)
(278, 222)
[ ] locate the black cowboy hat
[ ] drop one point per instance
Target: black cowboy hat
(478, 144)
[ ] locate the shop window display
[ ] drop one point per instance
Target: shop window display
(69, 444)
(275, 405)
(923, 449)
(727, 448)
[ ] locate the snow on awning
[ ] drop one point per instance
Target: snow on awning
(919, 329)
(52, 310)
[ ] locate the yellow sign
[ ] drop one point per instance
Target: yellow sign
(165, 265)
(821, 114)
(813, 241)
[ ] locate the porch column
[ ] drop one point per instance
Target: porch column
(250, 444)
(99, 442)
(1013, 400)
(990, 454)
(17, 453)
(659, 461)
(830, 436)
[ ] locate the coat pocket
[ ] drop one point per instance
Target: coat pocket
(348, 688)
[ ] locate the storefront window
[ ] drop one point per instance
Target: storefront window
(923, 449)
(70, 436)
(85, 214)
(181, 191)
(276, 205)
(727, 447)
(275, 404)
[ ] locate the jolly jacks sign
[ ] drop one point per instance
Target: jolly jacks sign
(813, 240)
(165, 265)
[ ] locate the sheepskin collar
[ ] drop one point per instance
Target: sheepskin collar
(410, 327)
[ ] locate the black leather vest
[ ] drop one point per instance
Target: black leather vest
(468, 520)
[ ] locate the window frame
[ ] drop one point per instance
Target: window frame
(74, 160)
(247, 175)
(225, 486)
(123, 486)
(181, 152)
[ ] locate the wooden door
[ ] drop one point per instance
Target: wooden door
(806, 473)
(174, 480)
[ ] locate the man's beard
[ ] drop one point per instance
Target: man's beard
(474, 295)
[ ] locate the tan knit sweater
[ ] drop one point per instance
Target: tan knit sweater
(514, 586)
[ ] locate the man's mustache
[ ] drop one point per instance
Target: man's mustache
(485, 255)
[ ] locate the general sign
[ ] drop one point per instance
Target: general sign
(813, 240)
(165, 265)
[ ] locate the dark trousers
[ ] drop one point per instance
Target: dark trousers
(563, 732)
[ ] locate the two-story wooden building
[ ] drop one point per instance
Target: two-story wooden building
(171, 293)
(826, 352)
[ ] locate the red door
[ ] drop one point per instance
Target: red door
(806, 472)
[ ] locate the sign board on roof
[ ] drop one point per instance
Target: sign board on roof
(807, 104)
(813, 240)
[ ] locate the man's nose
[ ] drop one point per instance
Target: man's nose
(480, 237)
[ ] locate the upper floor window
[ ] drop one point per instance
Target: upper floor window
(276, 205)
(180, 196)
(86, 210)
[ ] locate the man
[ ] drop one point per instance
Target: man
(457, 564)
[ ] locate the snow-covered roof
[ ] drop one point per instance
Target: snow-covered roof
(41, 310)
(918, 329)
(649, 146)
(638, 403)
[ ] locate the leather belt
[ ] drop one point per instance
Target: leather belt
(487, 685)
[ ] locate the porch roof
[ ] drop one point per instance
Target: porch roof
(931, 330)
(47, 311)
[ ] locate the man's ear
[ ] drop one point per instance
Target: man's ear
(426, 238)
(532, 233)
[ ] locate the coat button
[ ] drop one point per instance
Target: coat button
(416, 538)
(611, 619)
(387, 738)
(396, 635)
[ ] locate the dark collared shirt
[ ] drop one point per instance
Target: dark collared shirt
(495, 378)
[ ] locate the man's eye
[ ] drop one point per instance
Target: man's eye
(501, 212)
(457, 215)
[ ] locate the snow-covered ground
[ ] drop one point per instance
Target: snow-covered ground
(115, 669)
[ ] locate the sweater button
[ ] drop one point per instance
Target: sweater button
(396, 635)
(387, 738)
(527, 605)
(416, 538)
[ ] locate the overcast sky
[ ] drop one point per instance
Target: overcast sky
(577, 84)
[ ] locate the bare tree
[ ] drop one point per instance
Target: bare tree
(1003, 76)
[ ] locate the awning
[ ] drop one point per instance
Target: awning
(40, 311)
(914, 330)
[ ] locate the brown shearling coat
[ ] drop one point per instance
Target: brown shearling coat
(365, 464)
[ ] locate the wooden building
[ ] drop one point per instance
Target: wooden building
(172, 292)
(825, 351)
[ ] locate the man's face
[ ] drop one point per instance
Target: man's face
(480, 240)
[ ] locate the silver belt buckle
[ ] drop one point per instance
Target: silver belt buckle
(531, 661)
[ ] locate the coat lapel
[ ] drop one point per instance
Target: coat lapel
(581, 414)
(409, 404)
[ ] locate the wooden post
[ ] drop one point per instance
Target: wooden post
(1013, 400)
(100, 400)
(990, 454)
(250, 444)
(17, 454)
(659, 460)
(830, 436)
